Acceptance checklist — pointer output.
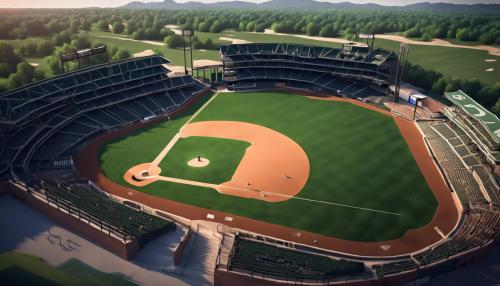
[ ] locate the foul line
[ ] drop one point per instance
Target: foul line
(214, 186)
(178, 135)
(172, 142)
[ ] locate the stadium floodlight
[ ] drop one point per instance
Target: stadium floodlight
(187, 33)
(80, 54)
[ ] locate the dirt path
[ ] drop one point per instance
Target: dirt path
(144, 53)
(234, 41)
(132, 40)
(274, 168)
(435, 42)
(445, 218)
(322, 39)
(439, 43)
(176, 29)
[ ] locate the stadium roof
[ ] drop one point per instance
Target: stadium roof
(487, 119)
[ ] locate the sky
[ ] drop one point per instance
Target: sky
(115, 3)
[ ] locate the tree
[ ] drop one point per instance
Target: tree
(250, 26)
(28, 49)
(174, 41)
(242, 26)
(81, 42)
(86, 25)
(26, 71)
(103, 25)
(439, 85)
(4, 70)
(496, 108)
(4, 84)
(75, 25)
(44, 48)
(260, 27)
(19, 33)
(488, 38)
(132, 26)
(54, 26)
(139, 34)
(216, 27)
(328, 31)
(8, 56)
(312, 29)
(15, 80)
(121, 54)
(118, 28)
(53, 65)
(204, 26)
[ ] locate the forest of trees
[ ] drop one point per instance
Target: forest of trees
(66, 30)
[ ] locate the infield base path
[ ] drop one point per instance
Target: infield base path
(274, 168)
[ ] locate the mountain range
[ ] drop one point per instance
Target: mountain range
(313, 5)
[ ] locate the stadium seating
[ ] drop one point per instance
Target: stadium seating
(47, 121)
(269, 260)
(350, 71)
(459, 176)
(81, 198)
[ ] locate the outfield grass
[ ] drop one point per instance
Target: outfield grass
(21, 269)
(357, 158)
(224, 155)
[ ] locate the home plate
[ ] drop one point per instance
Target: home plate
(385, 247)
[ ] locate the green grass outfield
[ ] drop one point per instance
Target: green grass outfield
(22, 269)
(357, 157)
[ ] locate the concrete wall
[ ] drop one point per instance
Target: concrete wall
(125, 251)
(179, 250)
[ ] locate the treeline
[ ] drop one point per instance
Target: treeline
(487, 95)
(16, 72)
(150, 24)
(65, 31)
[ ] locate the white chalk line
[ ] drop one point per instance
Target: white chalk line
(178, 135)
(172, 142)
(214, 186)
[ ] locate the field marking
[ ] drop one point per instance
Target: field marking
(199, 110)
(178, 135)
(214, 186)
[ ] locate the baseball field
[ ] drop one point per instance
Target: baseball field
(327, 167)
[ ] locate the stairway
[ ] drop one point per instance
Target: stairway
(198, 268)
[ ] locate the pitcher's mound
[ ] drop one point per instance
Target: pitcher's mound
(202, 162)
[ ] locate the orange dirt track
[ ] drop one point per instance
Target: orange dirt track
(445, 218)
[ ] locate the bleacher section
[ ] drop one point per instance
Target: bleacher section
(457, 172)
(357, 72)
(47, 121)
(120, 219)
(460, 143)
(480, 125)
(480, 227)
(268, 260)
(395, 267)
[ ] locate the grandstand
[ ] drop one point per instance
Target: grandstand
(351, 71)
(256, 258)
(111, 217)
(46, 122)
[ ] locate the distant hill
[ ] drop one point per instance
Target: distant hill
(313, 5)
